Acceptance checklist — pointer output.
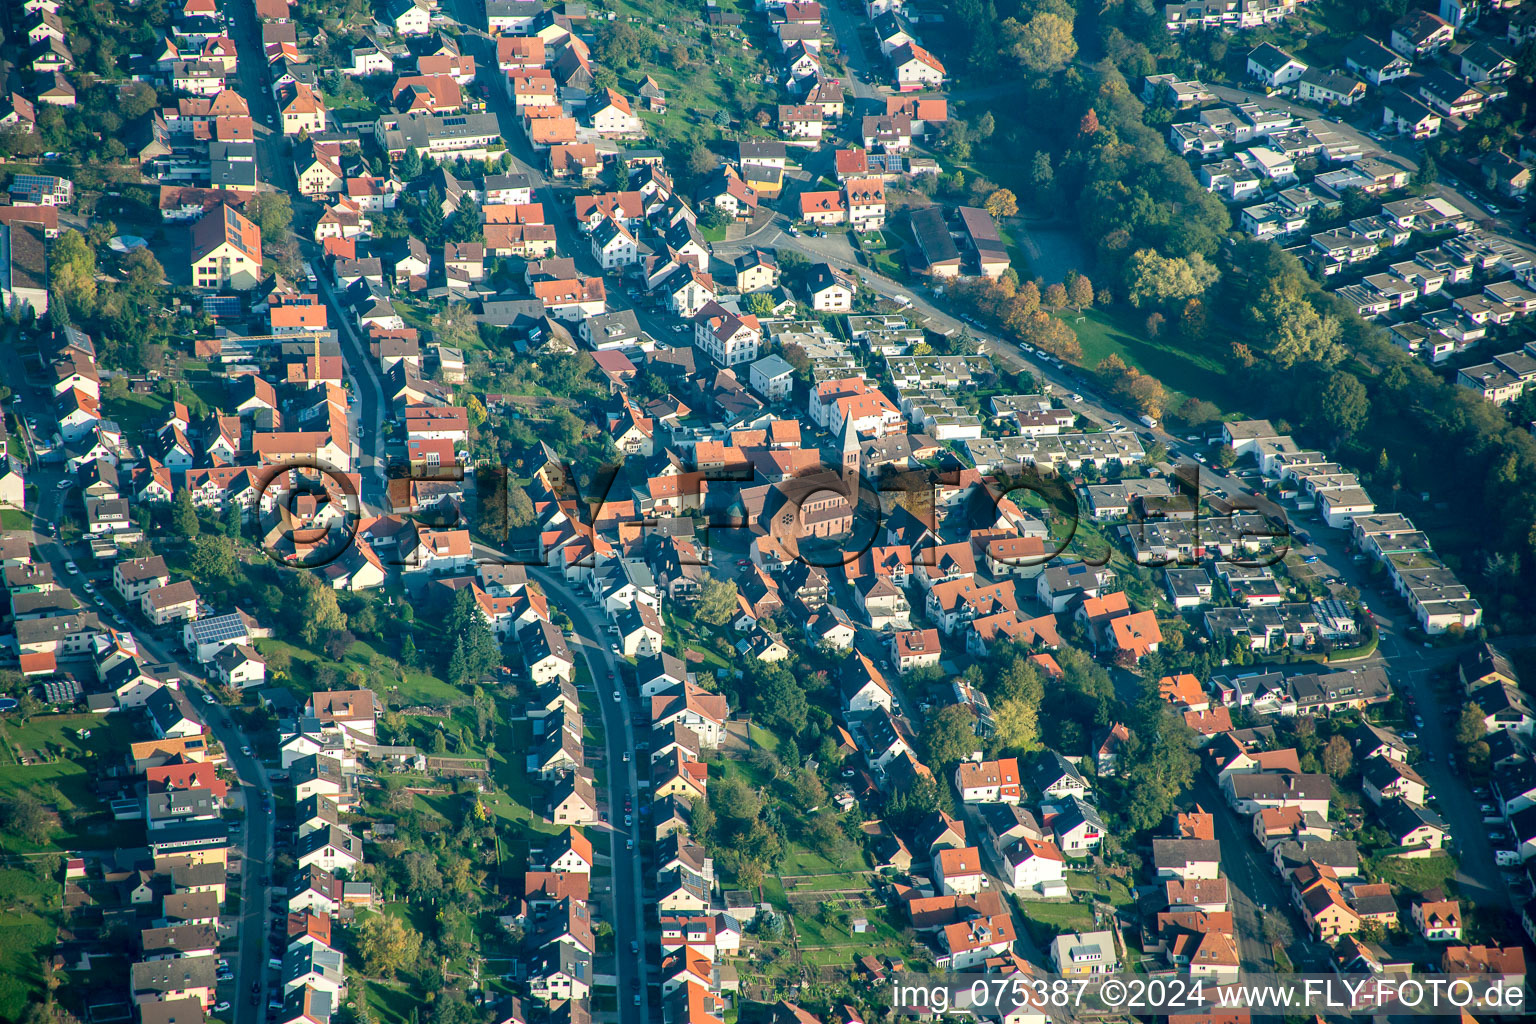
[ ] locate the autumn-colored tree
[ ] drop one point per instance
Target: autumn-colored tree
(1002, 203)
(1079, 290)
(1154, 325)
(1056, 295)
(1089, 125)
(1337, 757)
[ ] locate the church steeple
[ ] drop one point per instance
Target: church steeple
(848, 444)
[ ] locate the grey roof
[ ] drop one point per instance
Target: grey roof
(1266, 786)
(1176, 853)
(159, 976)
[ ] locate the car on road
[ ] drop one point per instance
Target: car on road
(65, 484)
(208, 699)
(617, 696)
(246, 750)
(1077, 398)
(88, 587)
(629, 819)
(634, 947)
(637, 994)
(629, 844)
(72, 568)
(1409, 735)
(626, 757)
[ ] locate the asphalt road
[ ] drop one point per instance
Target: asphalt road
(367, 408)
(846, 31)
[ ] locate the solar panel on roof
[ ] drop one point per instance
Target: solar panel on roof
(219, 629)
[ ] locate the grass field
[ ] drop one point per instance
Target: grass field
(391, 1002)
(15, 519)
(1054, 918)
(28, 927)
(66, 778)
(419, 686)
(1115, 893)
(1180, 370)
(1419, 874)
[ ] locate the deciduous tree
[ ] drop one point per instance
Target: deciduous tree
(387, 945)
(1043, 44)
(717, 602)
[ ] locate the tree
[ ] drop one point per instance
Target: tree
(212, 561)
(1294, 330)
(1157, 766)
(1055, 295)
(1152, 280)
(1079, 290)
(272, 212)
(233, 520)
(760, 304)
(701, 161)
(387, 945)
(319, 612)
(1471, 726)
(949, 737)
(1044, 44)
(183, 515)
(1428, 172)
(1154, 325)
(520, 510)
(410, 166)
(72, 271)
(717, 602)
(24, 815)
(1002, 203)
(1338, 759)
(782, 700)
(1343, 405)
(1016, 724)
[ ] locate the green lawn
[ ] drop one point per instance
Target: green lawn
(1418, 874)
(1114, 892)
(15, 519)
(1055, 918)
(66, 779)
(391, 1002)
(28, 927)
(135, 413)
(1180, 370)
(419, 686)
